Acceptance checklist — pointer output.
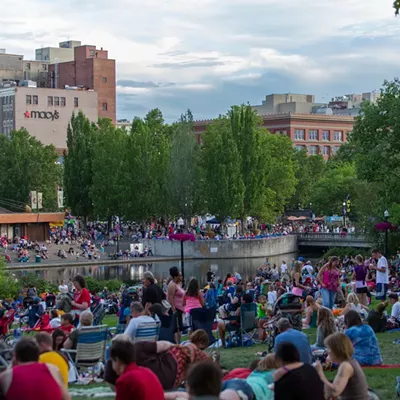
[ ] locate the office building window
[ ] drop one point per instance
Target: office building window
(284, 133)
(325, 136)
(104, 79)
(35, 100)
(326, 150)
(28, 66)
(335, 149)
(312, 135)
(91, 53)
(50, 101)
(312, 150)
(28, 99)
(299, 147)
(338, 136)
(56, 101)
(299, 134)
(76, 102)
(105, 106)
(44, 66)
(63, 101)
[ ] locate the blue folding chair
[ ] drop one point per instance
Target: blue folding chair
(147, 332)
(248, 325)
(166, 328)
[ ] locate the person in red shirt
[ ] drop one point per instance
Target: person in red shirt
(134, 382)
(81, 296)
(30, 379)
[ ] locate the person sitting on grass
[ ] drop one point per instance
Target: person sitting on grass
(297, 338)
(394, 321)
(295, 380)
(134, 382)
(350, 382)
(326, 326)
(363, 338)
(377, 319)
(263, 376)
(353, 303)
(311, 313)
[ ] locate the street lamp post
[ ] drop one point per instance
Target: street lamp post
(386, 215)
(344, 214)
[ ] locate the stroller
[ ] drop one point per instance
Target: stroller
(287, 306)
(64, 301)
(99, 312)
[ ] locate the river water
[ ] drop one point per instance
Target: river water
(247, 267)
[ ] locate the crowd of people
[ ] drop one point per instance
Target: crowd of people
(333, 297)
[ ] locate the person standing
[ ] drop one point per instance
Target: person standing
(175, 295)
(360, 274)
(329, 278)
(382, 275)
(152, 293)
(63, 288)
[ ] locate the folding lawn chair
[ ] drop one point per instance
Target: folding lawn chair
(166, 328)
(203, 318)
(147, 332)
(90, 349)
(248, 325)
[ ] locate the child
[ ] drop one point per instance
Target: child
(272, 295)
(262, 309)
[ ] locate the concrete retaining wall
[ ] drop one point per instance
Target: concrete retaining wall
(214, 249)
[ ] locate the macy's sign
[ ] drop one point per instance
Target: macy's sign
(42, 114)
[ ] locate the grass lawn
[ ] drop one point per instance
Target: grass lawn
(383, 381)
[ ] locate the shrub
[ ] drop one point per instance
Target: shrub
(341, 252)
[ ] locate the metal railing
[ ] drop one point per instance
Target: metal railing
(328, 237)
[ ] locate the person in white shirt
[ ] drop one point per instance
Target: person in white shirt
(394, 320)
(272, 296)
(382, 275)
(284, 268)
(137, 317)
(55, 321)
(63, 288)
(308, 267)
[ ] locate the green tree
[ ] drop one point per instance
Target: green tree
(28, 165)
(148, 147)
(331, 190)
(110, 170)
(222, 181)
(78, 171)
(183, 174)
(308, 169)
(396, 6)
(376, 140)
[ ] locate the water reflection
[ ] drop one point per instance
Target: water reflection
(133, 272)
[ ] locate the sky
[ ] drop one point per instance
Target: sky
(207, 55)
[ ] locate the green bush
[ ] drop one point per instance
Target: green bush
(97, 286)
(41, 285)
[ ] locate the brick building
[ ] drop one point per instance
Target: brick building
(91, 69)
(318, 133)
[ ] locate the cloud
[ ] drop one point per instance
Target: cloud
(175, 54)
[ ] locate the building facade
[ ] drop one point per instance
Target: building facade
(319, 134)
(13, 67)
(287, 102)
(43, 112)
(63, 53)
(91, 69)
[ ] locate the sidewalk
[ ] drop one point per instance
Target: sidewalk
(55, 262)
